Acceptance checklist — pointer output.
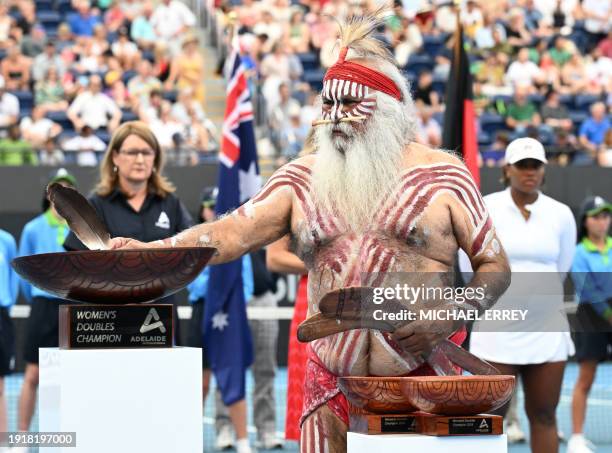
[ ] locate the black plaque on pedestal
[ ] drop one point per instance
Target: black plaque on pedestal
(115, 326)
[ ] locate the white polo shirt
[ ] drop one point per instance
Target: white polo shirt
(94, 109)
(544, 243)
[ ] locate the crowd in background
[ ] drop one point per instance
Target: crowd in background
(541, 68)
(72, 71)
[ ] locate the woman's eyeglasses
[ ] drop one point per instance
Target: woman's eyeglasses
(133, 153)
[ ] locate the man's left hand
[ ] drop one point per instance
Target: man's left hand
(420, 337)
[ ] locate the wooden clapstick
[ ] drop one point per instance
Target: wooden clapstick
(319, 326)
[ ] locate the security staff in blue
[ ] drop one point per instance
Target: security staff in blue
(8, 295)
(43, 234)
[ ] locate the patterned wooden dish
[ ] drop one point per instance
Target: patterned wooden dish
(114, 276)
(379, 395)
(458, 395)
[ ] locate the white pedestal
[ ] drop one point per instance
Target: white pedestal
(364, 443)
(123, 400)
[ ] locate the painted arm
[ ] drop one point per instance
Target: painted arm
(260, 221)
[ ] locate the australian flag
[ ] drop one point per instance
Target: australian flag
(227, 337)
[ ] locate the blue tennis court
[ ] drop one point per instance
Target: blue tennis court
(598, 427)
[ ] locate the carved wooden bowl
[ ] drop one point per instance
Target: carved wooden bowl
(458, 395)
(379, 395)
(114, 276)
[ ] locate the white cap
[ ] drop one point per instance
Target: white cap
(525, 148)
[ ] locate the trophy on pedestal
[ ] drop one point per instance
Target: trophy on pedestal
(114, 286)
(448, 404)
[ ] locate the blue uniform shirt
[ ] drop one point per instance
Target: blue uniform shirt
(43, 234)
(592, 274)
(9, 282)
(198, 288)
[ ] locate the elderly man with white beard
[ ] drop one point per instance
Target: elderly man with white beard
(369, 203)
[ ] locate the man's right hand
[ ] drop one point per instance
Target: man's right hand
(128, 243)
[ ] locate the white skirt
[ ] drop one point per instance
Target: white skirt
(522, 348)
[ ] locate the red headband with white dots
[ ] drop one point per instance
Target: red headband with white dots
(354, 72)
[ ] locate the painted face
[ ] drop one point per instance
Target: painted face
(345, 99)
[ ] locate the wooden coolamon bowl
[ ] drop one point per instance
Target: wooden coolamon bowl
(458, 395)
(114, 276)
(379, 395)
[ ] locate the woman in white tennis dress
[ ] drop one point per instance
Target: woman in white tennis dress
(538, 234)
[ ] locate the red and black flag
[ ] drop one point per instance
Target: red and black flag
(459, 118)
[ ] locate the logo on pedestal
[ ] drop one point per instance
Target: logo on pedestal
(148, 327)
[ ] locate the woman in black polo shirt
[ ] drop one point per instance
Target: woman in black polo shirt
(132, 197)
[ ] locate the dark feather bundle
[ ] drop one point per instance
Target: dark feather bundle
(80, 215)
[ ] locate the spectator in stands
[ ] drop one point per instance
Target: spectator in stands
(49, 92)
(82, 22)
(15, 68)
(278, 67)
(142, 31)
(50, 155)
(599, 72)
(270, 27)
(117, 90)
(279, 117)
(563, 149)
(64, 40)
(6, 23)
(26, 19)
(554, 114)
(499, 41)
(560, 53)
(34, 43)
(142, 84)
(297, 33)
(125, 50)
(162, 61)
(484, 35)
(424, 94)
(184, 104)
(196, 135)
(187, 69)
(573, 75)
(524, 72)
(84, 147)
(494, 156)
(99, 43)
(92, 108)
(293, 137)
(43, 234)
(591, 272)
(472, 18)
(605, 45)
(322, 29)
(49, 58)
(249, 14)
(517, 34)
(429, 131)
(9, 108)
(114, 18)
(604, 157)
(149, 112)
(171, 20)
(168, 131)
(409, 41)
(15, 151)
(491, 74)
(9, 286)
(522, 113)
(592, 132)
(37, 129)
(597, 20)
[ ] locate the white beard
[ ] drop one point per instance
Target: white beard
(352, 175)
